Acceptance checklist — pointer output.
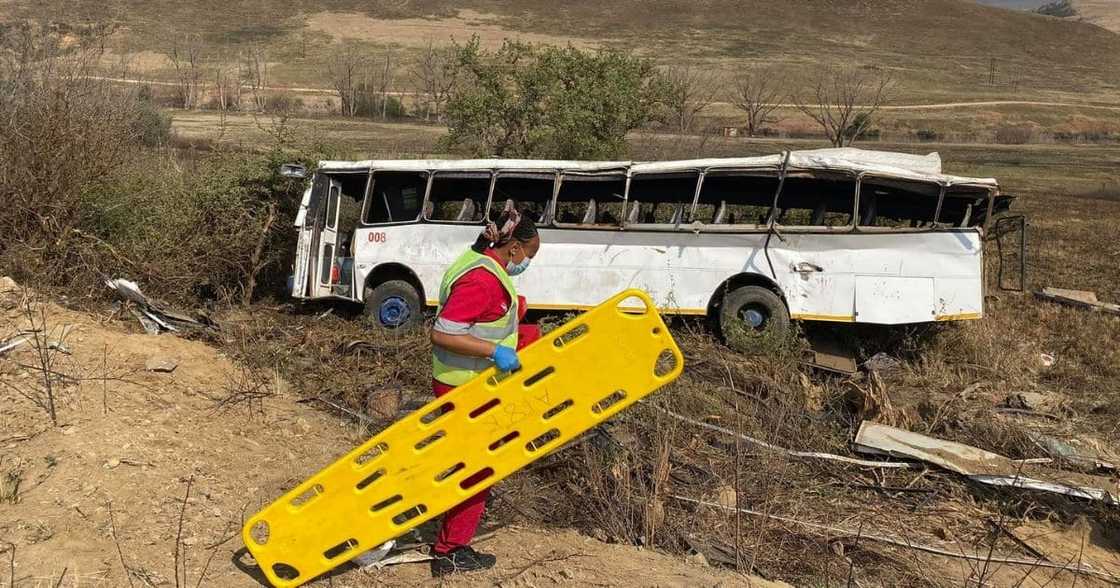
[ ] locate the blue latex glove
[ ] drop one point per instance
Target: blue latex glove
(506, 359)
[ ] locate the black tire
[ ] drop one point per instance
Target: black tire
(393, 305)
(753, 308)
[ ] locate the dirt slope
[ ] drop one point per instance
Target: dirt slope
(131, 444)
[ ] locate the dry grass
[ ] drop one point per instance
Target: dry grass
(616, 483)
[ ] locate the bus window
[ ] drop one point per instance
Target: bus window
(816, 200)
(590, 200)
(661, 199)
(964, 206)
(736, 199)
(531, 191)
(395, 197)
(892, 203)
(458, 197)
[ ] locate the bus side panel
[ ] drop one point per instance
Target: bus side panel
(881, 278)
(680, 271)
(426, 249)
(824, 290)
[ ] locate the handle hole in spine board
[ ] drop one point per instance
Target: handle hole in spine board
(410, 514)
(366, 481)
(608, 401)
(559, 408)
(437, 412)
(307, 496)
(430, 439)
(284, 571)
(632, 306)
(666, 363)
(384, 504)
(259, 532)
(475, 478)
(371, 454)
(572, 335)
(504, 440)
(485, 408)
(341, 548)
(499, 377)
(544, 439)
(445, 474)
(537, 377)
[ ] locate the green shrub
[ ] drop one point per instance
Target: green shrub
(152, 126)
(541, 101)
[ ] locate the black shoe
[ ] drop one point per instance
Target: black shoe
(463, 559)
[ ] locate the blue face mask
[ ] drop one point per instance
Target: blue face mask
(514, 269)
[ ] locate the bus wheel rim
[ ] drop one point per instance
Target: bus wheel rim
(393, 311)
(753, 316)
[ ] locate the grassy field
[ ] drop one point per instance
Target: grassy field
(937, 50)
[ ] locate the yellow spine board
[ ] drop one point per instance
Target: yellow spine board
(573, 379)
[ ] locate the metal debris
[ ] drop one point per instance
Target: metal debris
(28, 336)
(979, 465)
(1086, 460)
(826, 354)
(14, 342)
(155, 317)
(1079, 298)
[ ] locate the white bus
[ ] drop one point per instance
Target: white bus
(840, 235)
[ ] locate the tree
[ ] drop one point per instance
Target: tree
(384, 81)
(690, 91)
(347, 69)
(758, 93)
(844, 102)
(543, 101)
(186, 58)
(435, 73)
(256, 71)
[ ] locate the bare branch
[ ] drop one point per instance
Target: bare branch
(758, 93)
(691, 90)
(844, 101)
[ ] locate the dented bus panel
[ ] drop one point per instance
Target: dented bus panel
(838, 235)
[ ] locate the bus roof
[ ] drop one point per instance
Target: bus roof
(884, 164)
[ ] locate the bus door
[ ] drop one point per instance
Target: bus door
(327, 249)
(317, 222)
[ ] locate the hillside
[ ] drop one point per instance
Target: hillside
(1103, 13)
(936, 49)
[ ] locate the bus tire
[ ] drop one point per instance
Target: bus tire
(754, 308)
(393, 305)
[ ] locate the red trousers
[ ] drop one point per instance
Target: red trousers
(461, 522)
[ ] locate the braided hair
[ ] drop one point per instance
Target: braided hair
(510, 225)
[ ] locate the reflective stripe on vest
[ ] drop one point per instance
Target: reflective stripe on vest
(452, 368)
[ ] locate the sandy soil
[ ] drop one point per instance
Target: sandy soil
(114, 473)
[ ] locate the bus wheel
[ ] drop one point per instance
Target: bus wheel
(394, 304)
(753, 308)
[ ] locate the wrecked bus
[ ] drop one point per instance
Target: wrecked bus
(841, 235)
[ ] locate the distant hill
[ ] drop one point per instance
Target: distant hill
(1015, 4)
(1104, 13)
(935, 49)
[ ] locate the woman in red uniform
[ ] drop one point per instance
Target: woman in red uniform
(478, 326)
